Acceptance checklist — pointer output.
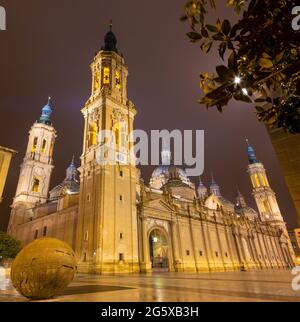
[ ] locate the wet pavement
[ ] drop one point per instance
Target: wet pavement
(174, 287)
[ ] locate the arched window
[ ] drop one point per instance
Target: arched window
(253, 182)
(44, 146)
(267, 207)
(34, 145)
(257, 182)
(118, 79)
(96, 80)
(117, 135)
(106, 76)
(36, 185)
(92, 134)
(51, 149)
(264, 180)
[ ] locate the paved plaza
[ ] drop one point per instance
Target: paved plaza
(174, 287)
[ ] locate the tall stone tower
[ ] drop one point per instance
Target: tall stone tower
(36, 169)
(264, 196)
(107, 224)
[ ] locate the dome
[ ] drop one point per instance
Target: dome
(241, 207)
(64, 188)
(71, 172)
(214, 187)
(163, 173)
(165, 170)
(202, 190)
(69, 186)
(110, 41)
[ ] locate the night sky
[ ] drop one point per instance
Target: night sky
(47, 50)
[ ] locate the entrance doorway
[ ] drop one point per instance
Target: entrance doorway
(159, 250)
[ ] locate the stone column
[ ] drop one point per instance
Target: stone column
(239, 254)
(233, 252)
(177, 262)
(254, 251)
(267, 250)
(220, 244)
(262, 250)
(146, 266)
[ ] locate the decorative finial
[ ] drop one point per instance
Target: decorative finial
(110, 25)
(247, 141)
(73, 159)
(212, 178)
(49, 100)
(110, 40)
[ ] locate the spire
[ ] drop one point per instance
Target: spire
(202, 190)
(214, 187)
(213, 181)
(110, 40)
(46, 113)
(71, 172)
(251, 154)
(200, 182)
(240, 200)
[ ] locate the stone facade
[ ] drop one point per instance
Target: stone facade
(287, 148)
(5, 159)
(295, 240)
(118, 224)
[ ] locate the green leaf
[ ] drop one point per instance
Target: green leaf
(260, 100)
(223, 72)
(212, 28)
(232, 62)
(206, 47)
(204, 33)
(194, 36)
(226, 27)
(265, 63)
(222, 49)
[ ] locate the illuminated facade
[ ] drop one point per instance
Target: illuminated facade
(295, 240)
(5, 159)
(116, 223)
(36, 169)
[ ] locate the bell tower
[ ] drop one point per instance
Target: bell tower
(107, 225)
(264, 196)
(36, 169)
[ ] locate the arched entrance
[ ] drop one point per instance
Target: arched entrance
(159, 250)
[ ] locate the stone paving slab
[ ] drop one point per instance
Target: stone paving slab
(262, 286)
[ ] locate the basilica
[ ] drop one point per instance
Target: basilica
(117, 223)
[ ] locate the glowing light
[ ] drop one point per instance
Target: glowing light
(237, 80)
(155, 239)
(245, 92)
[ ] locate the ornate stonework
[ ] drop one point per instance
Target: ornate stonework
(118, 224)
